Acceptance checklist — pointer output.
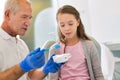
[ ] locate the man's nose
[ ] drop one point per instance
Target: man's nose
(27, 23)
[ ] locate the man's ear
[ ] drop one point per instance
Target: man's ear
(7, 13)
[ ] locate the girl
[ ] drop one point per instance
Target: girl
(84, 63)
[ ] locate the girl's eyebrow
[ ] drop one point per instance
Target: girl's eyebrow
(71, 21)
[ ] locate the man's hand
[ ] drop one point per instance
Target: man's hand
(51, 66)
(35, 59)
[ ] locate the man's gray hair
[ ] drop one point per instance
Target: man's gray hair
(13, 5)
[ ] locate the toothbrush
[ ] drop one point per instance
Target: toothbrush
(57, 46)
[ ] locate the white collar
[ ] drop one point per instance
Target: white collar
(5, 35)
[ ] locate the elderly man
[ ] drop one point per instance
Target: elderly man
(13, 63)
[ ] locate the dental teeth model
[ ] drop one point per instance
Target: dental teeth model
(61, 58)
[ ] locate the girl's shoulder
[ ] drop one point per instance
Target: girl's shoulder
(91, 45)
(87, 43)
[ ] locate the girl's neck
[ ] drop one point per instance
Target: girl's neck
(73, 41)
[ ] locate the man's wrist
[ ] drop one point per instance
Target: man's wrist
(45, 71)
(24, 67)
(37, 74)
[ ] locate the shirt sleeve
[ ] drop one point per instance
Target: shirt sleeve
(1, 61)
(96, 63)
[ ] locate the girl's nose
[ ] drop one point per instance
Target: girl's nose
(67, 27)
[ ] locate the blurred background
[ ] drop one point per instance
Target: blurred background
(101, 19)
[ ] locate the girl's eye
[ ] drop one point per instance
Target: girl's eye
(70, 24)
(62, 25)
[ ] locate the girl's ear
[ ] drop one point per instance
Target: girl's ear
(78, 21)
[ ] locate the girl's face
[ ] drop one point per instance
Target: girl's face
(68, 25)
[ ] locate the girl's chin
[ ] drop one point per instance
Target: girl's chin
(69, 38)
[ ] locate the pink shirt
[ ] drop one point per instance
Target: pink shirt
(75, 68)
